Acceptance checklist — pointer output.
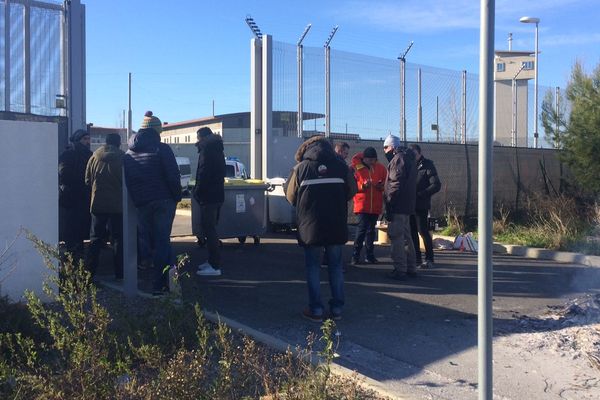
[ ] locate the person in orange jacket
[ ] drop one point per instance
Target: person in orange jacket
(368, 202)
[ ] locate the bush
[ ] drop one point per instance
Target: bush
(149, 350)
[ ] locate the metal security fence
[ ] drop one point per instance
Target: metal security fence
(32, 57)
(441, 105)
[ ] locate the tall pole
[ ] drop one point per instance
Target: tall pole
(26, 55)
(514, 130)
(485, 199)
(557, 95)
(510, 39)
(300, 57)
(419, 108)
(535, 95)
(328, 83)
(463, 117)
(402, 59)
(129, 121)
(7, 71)
(437, 118)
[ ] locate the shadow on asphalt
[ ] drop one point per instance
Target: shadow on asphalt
(417, 322)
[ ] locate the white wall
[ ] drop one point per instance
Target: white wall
(28, 199)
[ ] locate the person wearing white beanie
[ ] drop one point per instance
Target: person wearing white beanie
(400, 198)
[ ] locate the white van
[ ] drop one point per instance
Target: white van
(235, 169)
(185, 170)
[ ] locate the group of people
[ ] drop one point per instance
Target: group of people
(91, 199)
(320, 186)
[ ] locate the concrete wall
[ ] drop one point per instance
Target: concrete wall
(503, 113)
(29, 182)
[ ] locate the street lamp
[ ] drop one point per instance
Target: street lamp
(536, 21)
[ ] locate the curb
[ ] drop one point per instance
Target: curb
(280, 345)
(538, 253)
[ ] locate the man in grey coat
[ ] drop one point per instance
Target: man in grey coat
(400, 198)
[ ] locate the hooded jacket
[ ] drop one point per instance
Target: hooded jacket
(151, 171)
(428, 183)
(369, 198)
(73, 192)
(105, 175)
(400, 190)
(319, 187)
(210, 174)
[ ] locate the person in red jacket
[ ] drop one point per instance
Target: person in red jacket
(368, 203)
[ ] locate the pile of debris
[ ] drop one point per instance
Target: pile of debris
(572, 330)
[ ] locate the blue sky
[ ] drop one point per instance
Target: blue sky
(184, 54)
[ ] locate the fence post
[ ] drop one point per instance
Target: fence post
(463, 119)
(419, 108)
(7, 71)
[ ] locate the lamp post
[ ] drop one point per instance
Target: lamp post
(536, 21)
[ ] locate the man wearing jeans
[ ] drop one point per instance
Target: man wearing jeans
(400, 196)
(209, 192)
(154, 183)
(319, 187)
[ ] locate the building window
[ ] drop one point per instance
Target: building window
(500, 67)
(528, 65)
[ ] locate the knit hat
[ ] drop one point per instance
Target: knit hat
(392, 141)
(369, 153)
(150, 121)
(113, 139)
(77, 135)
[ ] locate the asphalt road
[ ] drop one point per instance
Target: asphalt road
(418, 337)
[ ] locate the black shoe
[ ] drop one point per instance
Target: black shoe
(336, 316)
(306, 313)
(372, 260)
(355, 261)
(397, 275)
(411, 274)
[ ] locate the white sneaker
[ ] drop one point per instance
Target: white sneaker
(208, 271)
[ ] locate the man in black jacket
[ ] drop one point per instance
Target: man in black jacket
(154, 184)
(74, 195)
(400, 197)
(428, 184)
(319, 187)
(210, 194)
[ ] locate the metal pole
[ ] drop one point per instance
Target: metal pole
(129, 115)
(402, 59)
(485, 199)
(327, 93)
(463, 118)
(513, 131)
(437, 118)
(129, 226)
(403, 99)
(510, 39)
(300, 116)
(557, 114)
(27, 56)
(535, 95)
(419, 108)
(300, 57)
(7, 74)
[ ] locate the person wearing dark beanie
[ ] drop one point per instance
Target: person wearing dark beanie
(74, 195)
(104, 174)
(368, 203)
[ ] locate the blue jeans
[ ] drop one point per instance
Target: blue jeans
(312, 259)
(156, 218)
(365, 232)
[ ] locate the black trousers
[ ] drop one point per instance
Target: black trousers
(365, 233)
(419, 226)
(98, 234)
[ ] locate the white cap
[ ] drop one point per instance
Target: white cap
(391, 140)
